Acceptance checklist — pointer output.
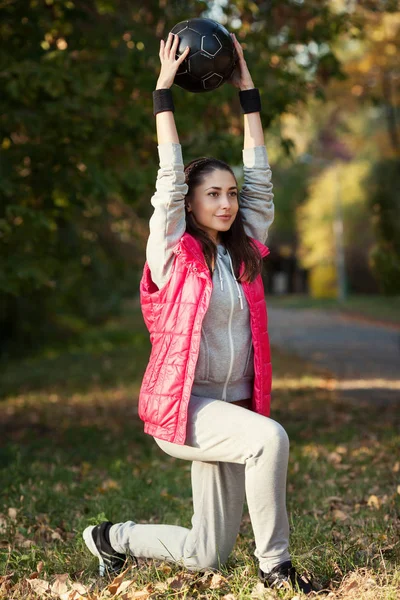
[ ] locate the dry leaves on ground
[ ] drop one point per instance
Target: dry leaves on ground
(61, 587)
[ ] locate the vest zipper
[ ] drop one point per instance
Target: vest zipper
(230, 339)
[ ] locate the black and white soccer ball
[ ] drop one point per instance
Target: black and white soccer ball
(212, 56)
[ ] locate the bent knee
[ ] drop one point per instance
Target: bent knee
(272, 436)
(280, 434)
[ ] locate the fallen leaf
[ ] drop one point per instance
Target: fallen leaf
(140, 594)
(331, 499)
(350, 585)
(59, 585)
(396, 467)
(374, 501)
(179, 581)
(260, 592)
(203, 582)
(3, 524)
(5, 584)
(73, 595)
(79, 587)
(39, 566)
(116, 582)
(334, 458)
(161, 586)
(108, 484)
(59, 487)
(229, 597)
(339, 515)
(85, 468)
(398, 489)
(12, 513)
(39, 586)
(20, 540)
(124, 586)
(217, 582)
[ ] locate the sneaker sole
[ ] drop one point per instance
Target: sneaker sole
(89, 541)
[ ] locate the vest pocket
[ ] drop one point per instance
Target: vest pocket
(249, 365)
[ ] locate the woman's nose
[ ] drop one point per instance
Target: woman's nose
(225, 201)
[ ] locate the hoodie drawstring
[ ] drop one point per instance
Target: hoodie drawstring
(221, 281)
(237, 285)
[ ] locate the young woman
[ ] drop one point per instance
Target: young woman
(206, 390)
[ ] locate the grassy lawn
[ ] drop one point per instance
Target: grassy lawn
(73, 452)
(381, 308)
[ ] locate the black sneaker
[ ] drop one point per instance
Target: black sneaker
(285, 576)
(110, 561)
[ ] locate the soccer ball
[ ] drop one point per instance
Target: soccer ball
(212, 56)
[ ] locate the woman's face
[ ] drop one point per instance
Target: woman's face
(214, 204)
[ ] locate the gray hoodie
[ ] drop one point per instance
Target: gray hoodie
(224, 368)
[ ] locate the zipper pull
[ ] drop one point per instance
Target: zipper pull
(240, 300)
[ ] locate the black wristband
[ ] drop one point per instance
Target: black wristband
(162, 100)
(250, 100)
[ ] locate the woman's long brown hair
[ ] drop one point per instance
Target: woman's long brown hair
(235, 240)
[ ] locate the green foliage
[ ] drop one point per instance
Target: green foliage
(383, 199)
(78, 145)
(386, 266)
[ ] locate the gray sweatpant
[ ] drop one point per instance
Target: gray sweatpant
(235, 452)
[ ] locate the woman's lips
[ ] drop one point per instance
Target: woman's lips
(224, 217)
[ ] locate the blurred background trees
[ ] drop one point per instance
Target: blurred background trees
(79, 157)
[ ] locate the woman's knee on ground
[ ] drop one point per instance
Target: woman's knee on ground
(210, 560)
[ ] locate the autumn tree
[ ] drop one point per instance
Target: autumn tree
(78, 145)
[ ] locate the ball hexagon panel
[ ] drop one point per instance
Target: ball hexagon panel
(210, 44)
(200, 65)
(180, 27)
(191, 38)
(212, 82)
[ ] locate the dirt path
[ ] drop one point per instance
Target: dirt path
(364, 357)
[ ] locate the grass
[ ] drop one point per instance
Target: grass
(73, 452)
(374, 307)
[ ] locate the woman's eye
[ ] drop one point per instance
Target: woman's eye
(232, 193)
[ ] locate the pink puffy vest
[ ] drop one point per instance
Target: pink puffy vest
(173, 316)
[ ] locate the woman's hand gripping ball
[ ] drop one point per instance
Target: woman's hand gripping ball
(169, 64)
(240, 77)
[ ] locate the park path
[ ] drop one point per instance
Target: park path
(364, 357)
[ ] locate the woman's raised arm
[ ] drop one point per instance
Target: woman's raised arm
(165, 122)
(168, 222)
(256, 197)
(241, 79)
